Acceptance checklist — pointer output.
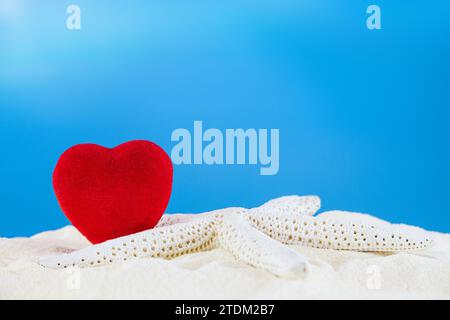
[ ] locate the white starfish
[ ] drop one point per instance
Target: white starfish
(257, 236)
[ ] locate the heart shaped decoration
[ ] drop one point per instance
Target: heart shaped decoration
(112, 192)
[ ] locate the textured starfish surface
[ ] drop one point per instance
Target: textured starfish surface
(258, 237)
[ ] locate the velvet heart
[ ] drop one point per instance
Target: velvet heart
(108, 193)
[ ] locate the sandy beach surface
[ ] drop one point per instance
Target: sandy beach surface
(216, 274)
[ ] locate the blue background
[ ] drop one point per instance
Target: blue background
(363, 115)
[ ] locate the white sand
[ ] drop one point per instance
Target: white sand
(217, 275)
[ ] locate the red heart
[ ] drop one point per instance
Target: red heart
(107, 193)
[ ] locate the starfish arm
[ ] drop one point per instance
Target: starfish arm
(174, 218)
(340, 234)
(307, 205)
(295, 205)
(236, 235)
(164, 242)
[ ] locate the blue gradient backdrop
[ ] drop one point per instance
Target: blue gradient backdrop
(363, 115)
